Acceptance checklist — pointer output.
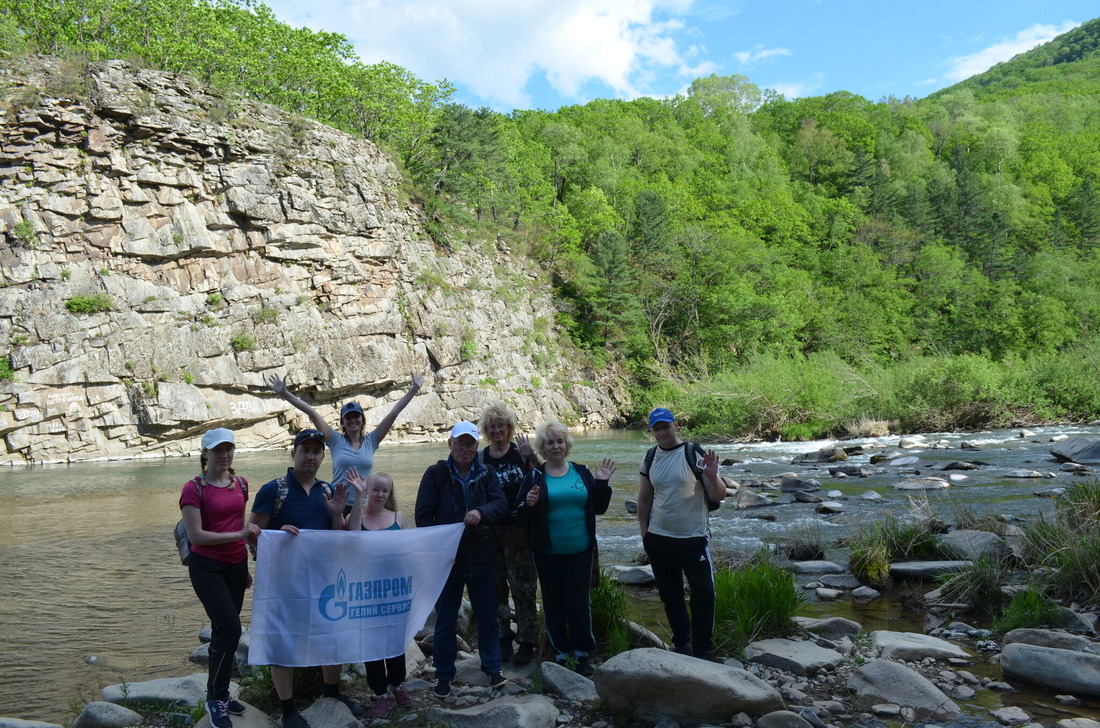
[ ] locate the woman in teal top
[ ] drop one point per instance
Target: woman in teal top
(561, 503)
(376, 510)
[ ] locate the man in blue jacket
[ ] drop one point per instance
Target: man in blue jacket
(462, 490)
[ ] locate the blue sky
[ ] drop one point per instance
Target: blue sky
(524, 54)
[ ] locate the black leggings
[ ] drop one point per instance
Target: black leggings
(383, 673)
(220, 587)
(565, 581)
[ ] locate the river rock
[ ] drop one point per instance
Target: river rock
(1061, 671)
(1078, 450)
(189, 690)
(913, 646)
(840, 581)
(1023, 473)
(6, 722)
(1077, 723)
(910, 443)
(826, 594)
(894, 683)
(903, 462)
(865, 594)
(101, 714)
(802, 496)
(955, 465)
(799, 657)
(956, 477)
(925, 570)
(971, 544)
(968, 445)
(870, 495)
(1050, 638)
(524, 711)
(562, 681)
(745, 498)
(829, 508)
(789, 484)
(816, 567)
(922, 484)
(825, 455)
(783, 719)
(831, 628)
(1011, 715)
(633, 575)
(639, 683)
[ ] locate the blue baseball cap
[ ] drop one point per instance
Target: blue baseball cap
(350, 407)
(309, 435)
(660, 415)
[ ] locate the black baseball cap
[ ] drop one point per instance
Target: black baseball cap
(308, 435)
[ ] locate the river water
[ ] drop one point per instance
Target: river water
(93, 593)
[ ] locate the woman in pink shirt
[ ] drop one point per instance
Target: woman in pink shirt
(213, 506)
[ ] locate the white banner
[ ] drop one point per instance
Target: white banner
(333, 597)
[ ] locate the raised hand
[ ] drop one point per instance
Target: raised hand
(606, 469)
(277, 384)
(523, 447)
(339, 499)
(710, 462)
(356, 481)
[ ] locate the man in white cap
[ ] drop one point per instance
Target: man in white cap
(462, 490)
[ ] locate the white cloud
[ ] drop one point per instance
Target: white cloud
(796, 89)
(495, 46)
(962, 67)
(760, 53)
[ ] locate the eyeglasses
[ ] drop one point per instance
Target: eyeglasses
(460, 445)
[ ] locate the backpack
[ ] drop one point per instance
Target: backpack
(183, 544)
(692, 452)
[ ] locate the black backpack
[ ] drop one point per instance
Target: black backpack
(692, 452)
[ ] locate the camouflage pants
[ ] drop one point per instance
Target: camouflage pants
(516, 570)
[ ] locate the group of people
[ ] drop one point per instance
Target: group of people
(530, 521)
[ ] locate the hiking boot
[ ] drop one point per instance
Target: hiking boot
(356, 709)
(401, 696)
(218, 710)
(584, 667)
(442, 688)
(497, 680)
(295, 720)
(381, 706)
(235, 707)
(524, 655)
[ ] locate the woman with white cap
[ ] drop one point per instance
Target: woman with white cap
(349, 447)
(213, 505)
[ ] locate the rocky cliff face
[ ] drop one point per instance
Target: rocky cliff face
(164, 249)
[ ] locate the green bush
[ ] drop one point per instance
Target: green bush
(267, 315)
(755, 601)
(97, 303)
(869, 558)
(980, 585)
(242, 342)
(7, 374)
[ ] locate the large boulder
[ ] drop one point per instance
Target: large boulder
(1060, 671)
(101, 714)
(1077, 450)
(889, 682)
(639, 683)
(1050, 638)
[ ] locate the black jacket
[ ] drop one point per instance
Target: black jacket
(440, 501)
(599, 497)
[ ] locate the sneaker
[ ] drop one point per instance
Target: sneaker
(497, 680)
(235, 707)
(524, 655)
(356, 709)
(401, 696)
(295, 720)
(218, 711)
(442, 688)
(381, 706)
(584, 667)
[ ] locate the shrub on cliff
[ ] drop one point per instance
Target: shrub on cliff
(97, 303)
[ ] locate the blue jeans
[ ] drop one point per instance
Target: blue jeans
(483, 598)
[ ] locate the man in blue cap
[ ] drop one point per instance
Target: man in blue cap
(462, 490)
(296, 501)
(677, 479)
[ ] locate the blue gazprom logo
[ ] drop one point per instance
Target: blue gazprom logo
(363, 599)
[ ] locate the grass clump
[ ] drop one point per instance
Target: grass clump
(242, 342)
(609, 603)
(804, 542)
(758, 599)
(96, 303)
(1064, 550)
(267, 315)
(7, 374)
(980, 585)
(1029, 608)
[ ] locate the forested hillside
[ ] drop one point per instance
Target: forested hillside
(770, 266)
